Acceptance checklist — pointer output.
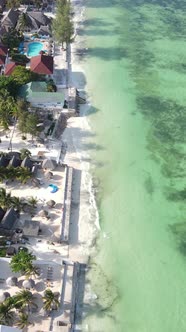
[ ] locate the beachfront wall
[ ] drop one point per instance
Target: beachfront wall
(36, 94)
(65, 221)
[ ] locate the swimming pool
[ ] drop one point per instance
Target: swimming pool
(34, 48)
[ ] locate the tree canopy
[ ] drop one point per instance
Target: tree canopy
(12, 38)
(21, 261)
(23, 75)
(62, 25)
(8, 83)
(7, 108)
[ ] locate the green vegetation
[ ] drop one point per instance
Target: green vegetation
(31, 124)
(62, 26)
(17, 3)
(28, 122)
(19, 58)
(21, 261)
(11, 173)
(25, 153)
(7, 108)
(2, 252)
(12, 38)
(7, 201)
(6, 313)
(23, 75)
(13, 3)
(51, 87)
(23, 321)
(9, 84)
(50, 300)
(23, 22)
(24, 299)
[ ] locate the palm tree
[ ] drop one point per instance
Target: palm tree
(50, 300)
(31, 270)
(7, 106)
(23, 321)
(23, 174)
(10, 172)
(5, 199)
(17, 203)
(32, 201)
(6, 313)
(2, 173)
(23, 22)
(21, 261)
(24, 299)
(25, 153)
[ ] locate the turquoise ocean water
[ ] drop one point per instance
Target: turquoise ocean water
(135, 69)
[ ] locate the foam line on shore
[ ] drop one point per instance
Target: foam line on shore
(76, 136)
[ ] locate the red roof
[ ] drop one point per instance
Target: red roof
(11, 66)
(42, 64)
(2, 59)
(3, 50)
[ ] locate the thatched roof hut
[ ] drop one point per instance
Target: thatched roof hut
(9, 219)
(14, 154)
(43, 213)
(28, 283)
(51, 203)
(15, 162)
(49, 175)
(27, 162)
(4, 161)
(4, 296)
(35, 182)
(11, 281)
(49, 164)
(2, 213)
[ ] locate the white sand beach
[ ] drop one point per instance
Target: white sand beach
(84, 223)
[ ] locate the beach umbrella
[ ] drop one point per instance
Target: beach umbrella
(43, 213)
(54, 306)
(49, 175)
(56, 294)
(28, 283)
(51, 203)
(11, 281)
(36, 182)
(4, 296)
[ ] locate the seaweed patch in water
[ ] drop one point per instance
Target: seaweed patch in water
(149, 185)
(177, 196)
(179, 230)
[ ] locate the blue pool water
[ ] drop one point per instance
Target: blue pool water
(34, 48)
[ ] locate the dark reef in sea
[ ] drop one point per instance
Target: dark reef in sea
(155, 45)
(106, 293)
(179, 230)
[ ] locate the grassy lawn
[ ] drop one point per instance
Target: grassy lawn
(2, 252)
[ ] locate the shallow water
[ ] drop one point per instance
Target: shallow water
(135, 69)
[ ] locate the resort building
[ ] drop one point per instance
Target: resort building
(10, 19)
(2, 5)
(9, 67)
(8, 221)
(34, 21)
(3, 50)
(2, 60)
(44, 31)
(36, 93)
(3, 57)
(42, 64)
(4, 328)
